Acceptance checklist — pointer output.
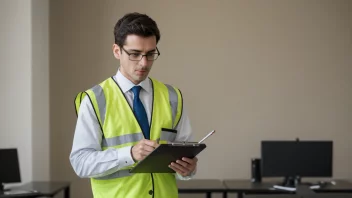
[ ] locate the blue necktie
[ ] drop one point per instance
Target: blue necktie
(139, 112)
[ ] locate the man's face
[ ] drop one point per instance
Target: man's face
(135, 70)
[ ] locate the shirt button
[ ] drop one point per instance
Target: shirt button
(150, 192)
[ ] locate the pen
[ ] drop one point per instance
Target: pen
(209, 134)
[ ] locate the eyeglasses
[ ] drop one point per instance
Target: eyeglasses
(138, 56)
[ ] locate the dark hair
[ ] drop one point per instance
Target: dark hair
(135, 23)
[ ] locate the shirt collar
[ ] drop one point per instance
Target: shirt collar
(125, 84)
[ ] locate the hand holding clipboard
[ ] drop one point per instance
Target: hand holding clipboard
(186, 166)
(159, 160)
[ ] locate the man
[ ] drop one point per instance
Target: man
(122, 120)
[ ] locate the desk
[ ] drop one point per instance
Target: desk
(329, 195)
(247, 187)
(20, 195)
(272, 196)
(206, 186)
(41, 189)
(242, 187)
(342, 186)
(322, 195)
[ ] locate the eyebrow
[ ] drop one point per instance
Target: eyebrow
(139, 51)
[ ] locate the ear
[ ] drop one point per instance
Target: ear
(116, 51)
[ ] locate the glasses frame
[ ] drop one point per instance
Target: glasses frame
(142, 55)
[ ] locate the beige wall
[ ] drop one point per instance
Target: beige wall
(24, 81)
(40, 90)
(15, 82)
(252, 70)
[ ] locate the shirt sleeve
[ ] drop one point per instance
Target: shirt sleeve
(184, 134)
(87, 158)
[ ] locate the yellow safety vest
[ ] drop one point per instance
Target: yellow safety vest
(120, 129)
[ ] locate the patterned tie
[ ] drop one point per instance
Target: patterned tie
(139, 112)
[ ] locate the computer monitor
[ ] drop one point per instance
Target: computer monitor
(9, 167)
(296, 159)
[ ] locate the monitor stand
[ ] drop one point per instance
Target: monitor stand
(291, 181)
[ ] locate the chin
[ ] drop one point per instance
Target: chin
(140, 78)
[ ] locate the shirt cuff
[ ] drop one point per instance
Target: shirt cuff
(180, 177)
(125, 156)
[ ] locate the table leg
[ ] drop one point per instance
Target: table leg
(240, 194)
(224, 195)
(67, 192)
(208, 195)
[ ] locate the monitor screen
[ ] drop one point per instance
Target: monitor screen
(297, 158)
(9, 166)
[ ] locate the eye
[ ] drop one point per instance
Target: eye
(135, 55)
(151, 55)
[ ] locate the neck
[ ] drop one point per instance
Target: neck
(129, 77)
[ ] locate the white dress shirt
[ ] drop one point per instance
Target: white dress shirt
(87, 157)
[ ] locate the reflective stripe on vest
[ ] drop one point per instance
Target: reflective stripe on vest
(122, 139)
(135, 137)
(99, 94)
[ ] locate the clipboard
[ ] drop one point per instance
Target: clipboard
(159, 160)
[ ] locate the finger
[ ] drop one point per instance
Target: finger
(148, 148)
(177, 170)
(181, 168)
(190, 161)
(143, 153)
(151, 143)
(183, 163)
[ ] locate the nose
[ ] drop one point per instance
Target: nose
(143, 61)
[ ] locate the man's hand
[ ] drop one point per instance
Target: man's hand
(185, 166)
(142, 149)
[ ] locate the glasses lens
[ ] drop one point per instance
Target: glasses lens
(135, 56)
(152, 56)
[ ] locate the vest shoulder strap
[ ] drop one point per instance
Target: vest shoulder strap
(176, 101)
